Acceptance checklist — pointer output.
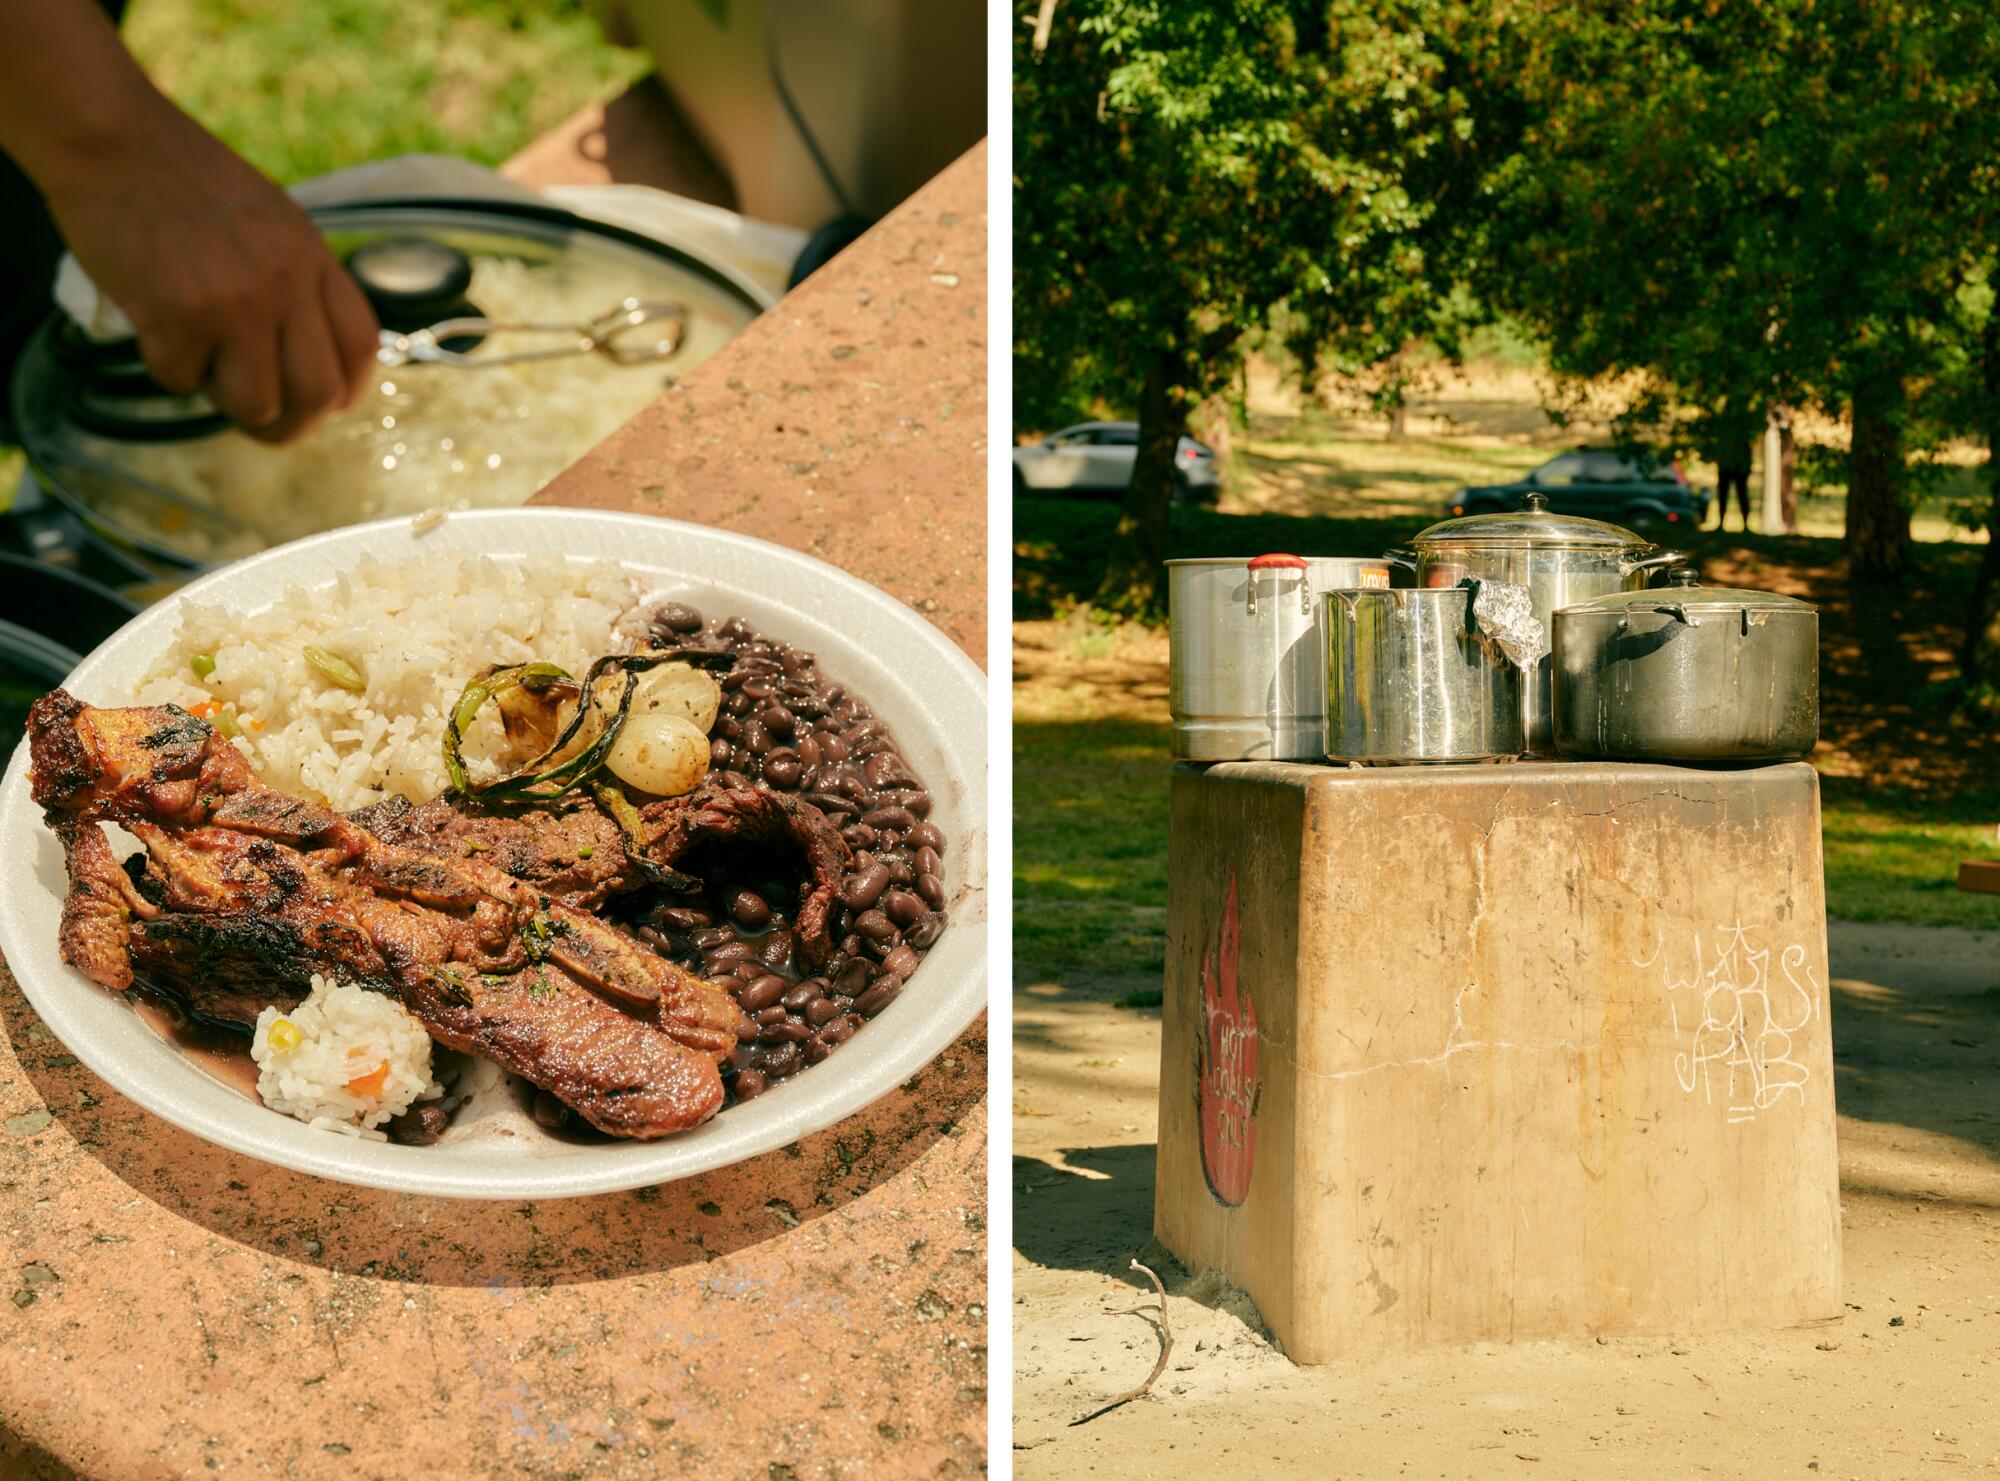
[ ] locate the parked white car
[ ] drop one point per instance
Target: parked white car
(1095, 459)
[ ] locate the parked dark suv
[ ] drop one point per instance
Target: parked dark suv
(1647, 495)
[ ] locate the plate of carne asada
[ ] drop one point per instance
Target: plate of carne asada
(515, 853)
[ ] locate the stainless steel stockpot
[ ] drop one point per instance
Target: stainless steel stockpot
(1687, 673)
(1247, 670)
(1407, 679)
(1561, 559)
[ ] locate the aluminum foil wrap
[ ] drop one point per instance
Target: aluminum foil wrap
(1504, 620)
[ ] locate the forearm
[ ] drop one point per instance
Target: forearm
(69, 91)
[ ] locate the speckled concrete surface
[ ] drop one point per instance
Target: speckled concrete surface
(175, 1310)
(849, 421)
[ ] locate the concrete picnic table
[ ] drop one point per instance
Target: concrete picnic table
(176, 1310)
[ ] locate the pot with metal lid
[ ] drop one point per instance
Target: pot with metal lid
(1247, 674)
(515, 337)
(1687, 673)
(1560, 559)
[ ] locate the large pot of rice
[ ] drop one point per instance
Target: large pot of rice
(186, 492)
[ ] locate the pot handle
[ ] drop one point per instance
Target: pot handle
(1654, 562)
(1402, 556)
(1277, 561)
(1675, 609)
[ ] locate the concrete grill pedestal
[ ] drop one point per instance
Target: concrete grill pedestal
(1469, 1053)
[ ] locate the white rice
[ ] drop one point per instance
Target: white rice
(346, 1035)
(418, 633)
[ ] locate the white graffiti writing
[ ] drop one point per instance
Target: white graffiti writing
(1734, 1020)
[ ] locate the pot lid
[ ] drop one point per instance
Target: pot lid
(1533, 524)
(1683, 590)
(422, 435)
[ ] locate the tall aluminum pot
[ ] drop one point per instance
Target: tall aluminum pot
(1247, 669)
(1687, 673)
(1561, 559)
(1408, 680)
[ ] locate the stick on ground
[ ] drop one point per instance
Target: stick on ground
(1159, 1366)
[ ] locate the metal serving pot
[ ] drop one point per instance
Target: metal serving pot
(1247, 672)
(1561, 559)
(1687, 673)
(1407, 679)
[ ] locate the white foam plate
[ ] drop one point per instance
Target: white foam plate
(931, 695)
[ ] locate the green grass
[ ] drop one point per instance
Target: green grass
(1090, 848)
(302, 89)
(1090, 856)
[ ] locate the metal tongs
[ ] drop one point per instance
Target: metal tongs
(609, 334)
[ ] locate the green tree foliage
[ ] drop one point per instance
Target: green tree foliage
(1751, 205)
(1182, 168)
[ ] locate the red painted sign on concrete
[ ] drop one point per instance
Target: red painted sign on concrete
(1228, 1067)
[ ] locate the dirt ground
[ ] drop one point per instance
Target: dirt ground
(1907, 1384)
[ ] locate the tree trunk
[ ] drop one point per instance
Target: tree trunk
(1134, 578)
(1981, 659)
(1788, 489)
(1878, 516)
(1399, 417)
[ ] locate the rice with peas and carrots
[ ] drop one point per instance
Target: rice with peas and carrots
(345, 1060)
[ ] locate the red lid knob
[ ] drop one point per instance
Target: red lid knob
(1277, 563)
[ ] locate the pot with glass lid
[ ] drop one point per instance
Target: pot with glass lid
(515, 337)
(1561, 560)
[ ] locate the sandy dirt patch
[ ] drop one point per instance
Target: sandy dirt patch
(1906, 1384)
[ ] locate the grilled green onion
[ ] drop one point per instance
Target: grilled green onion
(334, 669)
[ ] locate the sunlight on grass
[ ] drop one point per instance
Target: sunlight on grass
(300, 90)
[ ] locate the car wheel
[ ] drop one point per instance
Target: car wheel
(1646, 522)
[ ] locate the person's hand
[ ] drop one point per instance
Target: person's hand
(232, 291)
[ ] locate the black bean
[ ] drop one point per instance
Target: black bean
(801, 998)
(871, 730)
(756, 739)
(885, 770)
(423, 1126)
(902, 873)
(746, 1026)
(822, 1011)
(782, 1061)
(677, 617)
(874, 925)
(766, 1016)
(881, 993)
(775, 949)
(915, 799)
(901, 962)
(748, 908)
(817, 1049)
(833, 747)
(853, 977)
(751, 1083)
(831, 803)
(923, 935)
(890, 817)
(927, 860)
(709, 936)
(747, 970)
(788, 1031)
(720, 753)
(551, 1112)
(761, 993)
(926, 835)
(783, 770)
(902, 907)
(859, 891)
(809, 751)
(778, 720)
(859, 835)
(729, 728)
(729, 951)
(932, 889)
(840, 1030)
(683, 917)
